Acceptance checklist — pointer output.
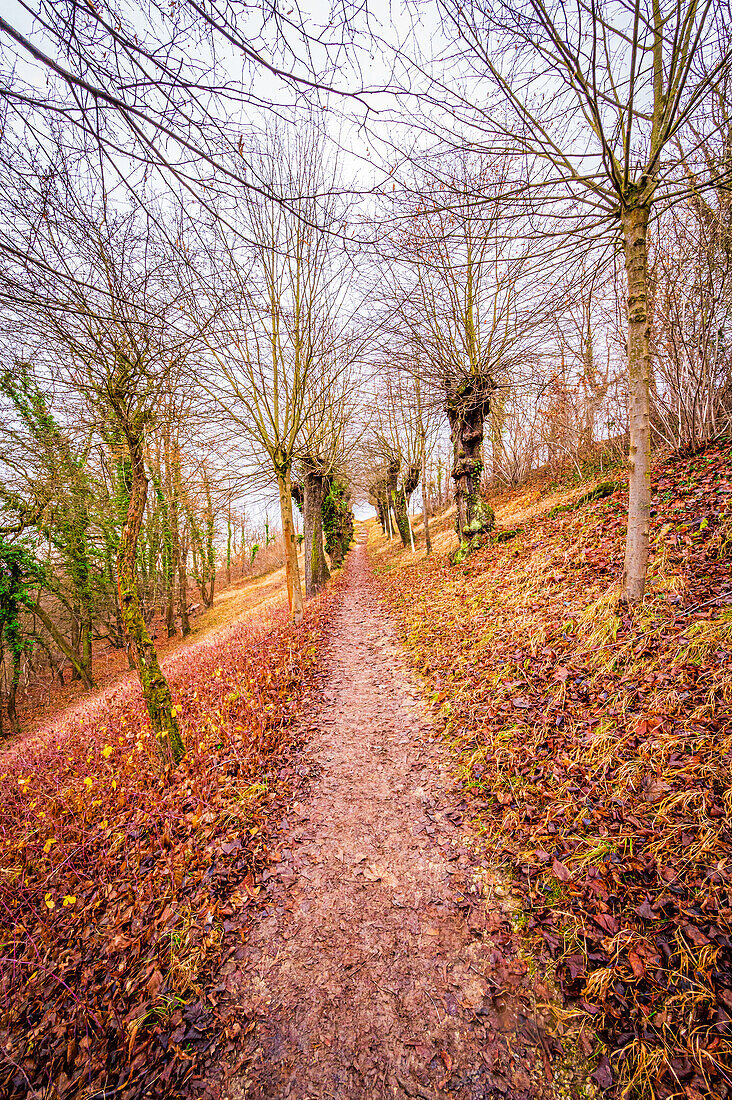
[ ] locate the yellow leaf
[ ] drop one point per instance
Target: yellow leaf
(51, 904)
(88, 781)
(104, 824)
(69, 899)
(48, 845)
(107, 751)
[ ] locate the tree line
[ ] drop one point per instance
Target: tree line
(202, 305)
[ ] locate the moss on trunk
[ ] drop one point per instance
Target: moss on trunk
(155, 688)
(468, 405)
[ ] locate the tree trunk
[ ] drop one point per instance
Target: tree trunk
(228, 547)
(76, 642)
(209, 565)
(635, 227)
(243, 555)
(425, 508)
(317, 573)
(86, 648)
(467, 407)
(12, 692)
(185, 624)
(400, 502)
(154, 685)
(292, 571)
(181, 561)
(168, 555)
(497, 422)
(170, 603)
(82, 668)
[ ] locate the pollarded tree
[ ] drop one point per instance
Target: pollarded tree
(323, 452)
(279, 329)
(593, 103)
(461, 299)
(394, 440)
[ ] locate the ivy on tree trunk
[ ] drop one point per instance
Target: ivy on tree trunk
(154, 685)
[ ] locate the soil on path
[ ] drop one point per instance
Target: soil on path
(382, 966)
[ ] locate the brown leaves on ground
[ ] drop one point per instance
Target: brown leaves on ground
(124, 890)
(596, 743)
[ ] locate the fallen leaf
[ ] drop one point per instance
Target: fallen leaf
(603, 1074)
(561, 870)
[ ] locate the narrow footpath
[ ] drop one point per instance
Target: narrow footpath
(384, 965)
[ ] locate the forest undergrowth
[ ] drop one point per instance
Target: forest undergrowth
(594, 742)
(125, 889)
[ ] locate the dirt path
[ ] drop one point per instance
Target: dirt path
(379, 970)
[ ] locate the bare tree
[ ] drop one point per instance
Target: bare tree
(326, 444)
(613, 91)
(280, 326)
(464, 309)
(113, 336)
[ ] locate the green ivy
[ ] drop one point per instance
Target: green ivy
(19, 572)
(337, 518)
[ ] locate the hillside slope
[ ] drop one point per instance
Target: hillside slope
(595, 743)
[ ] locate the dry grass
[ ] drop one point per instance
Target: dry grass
(600, 737)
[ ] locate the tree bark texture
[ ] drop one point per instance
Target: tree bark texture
(154, 685)
(425, 507)
(292, 569)
(468, 405)
(380, 493)
(635, 229)
(400, 495)
(181, 547)
(317, 573)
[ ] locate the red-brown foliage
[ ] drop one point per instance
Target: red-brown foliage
(123, 890)
(596, 745)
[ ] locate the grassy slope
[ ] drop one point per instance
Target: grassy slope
(597, 746)
(247, 597)
(123, 890)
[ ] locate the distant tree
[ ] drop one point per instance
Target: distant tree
(323, 452)
(463, 307)
(394, 438)
(19, 573)
(279, 320)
